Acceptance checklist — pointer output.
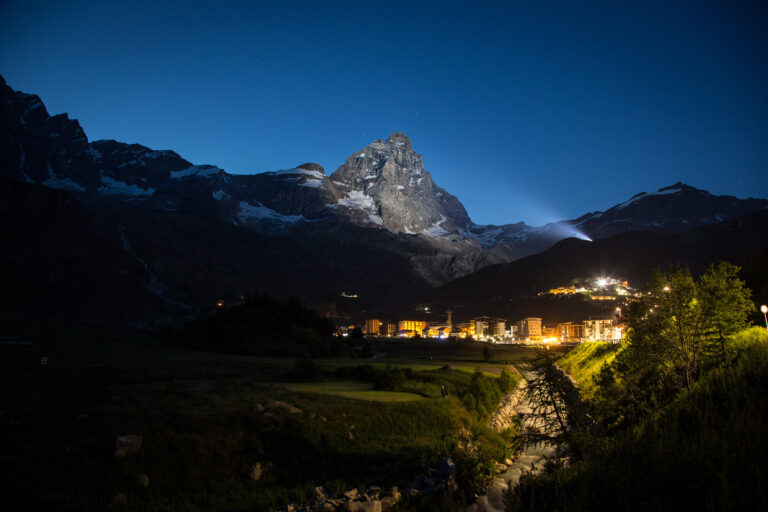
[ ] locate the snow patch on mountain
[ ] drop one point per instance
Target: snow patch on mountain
(315, 174)
(357, 199)
(375, 219)
(110, 186)
(643, 195)
(312, 183)
(220, 195)
(249, 212)
(435, 229)
(64, 183)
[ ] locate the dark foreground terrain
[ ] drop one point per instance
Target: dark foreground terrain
(221, 432)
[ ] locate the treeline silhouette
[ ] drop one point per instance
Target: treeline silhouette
(265, 325)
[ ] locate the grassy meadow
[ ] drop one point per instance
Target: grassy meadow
(378, 421)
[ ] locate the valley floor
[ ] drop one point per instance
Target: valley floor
(224, 432)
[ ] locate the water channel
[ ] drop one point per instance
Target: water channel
(531, 458)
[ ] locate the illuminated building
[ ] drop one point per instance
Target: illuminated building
(529, 329)
(372, 326)
(481, 325)
(549, 332)
(391, 329)
(498, 327)
(570, 331)
(563, 290)
(438, 331)
(411, 325)
(598, 330)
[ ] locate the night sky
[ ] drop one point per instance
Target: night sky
(534, 110)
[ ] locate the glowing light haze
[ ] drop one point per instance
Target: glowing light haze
(534, 111)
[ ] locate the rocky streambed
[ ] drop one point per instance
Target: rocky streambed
(516, 404)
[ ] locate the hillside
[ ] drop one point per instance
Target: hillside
(698, 453)
(510, 289)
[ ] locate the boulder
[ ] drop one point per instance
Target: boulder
(128, 444)
(364, 506)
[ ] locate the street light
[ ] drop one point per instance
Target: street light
(764, 309)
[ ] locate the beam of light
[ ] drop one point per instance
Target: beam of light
(581, 236)
(558, 226)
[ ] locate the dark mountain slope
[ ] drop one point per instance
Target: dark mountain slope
(630, 256)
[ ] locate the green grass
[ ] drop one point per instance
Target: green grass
(701, 452)
(584, 361)
(195, 410)
(356, 390)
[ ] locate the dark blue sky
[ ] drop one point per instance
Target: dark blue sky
(532, 110)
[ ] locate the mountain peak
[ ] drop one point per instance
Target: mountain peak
(399, 139)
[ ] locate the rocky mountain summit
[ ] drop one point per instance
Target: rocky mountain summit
(389, 180)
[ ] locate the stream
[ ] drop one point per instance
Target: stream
(531, 458)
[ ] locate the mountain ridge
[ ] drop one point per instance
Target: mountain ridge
(381, 198)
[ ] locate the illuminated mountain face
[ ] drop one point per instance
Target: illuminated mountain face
(388, 184)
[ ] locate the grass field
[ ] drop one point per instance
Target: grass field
(356, 390)
(195, 411)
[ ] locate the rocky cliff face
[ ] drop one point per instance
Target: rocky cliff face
(386, 184)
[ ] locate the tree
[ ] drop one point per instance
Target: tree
(555, 408)
(677, 330)
(356, 334)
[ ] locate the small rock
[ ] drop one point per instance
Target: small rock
(142, 480)
(258, 409)
(447, 469)
(350, 435)
(273, 405)
(256, 472)
(320, 491)
(119, 501)
(508, 462)
(127, 445)
(388, 502)
(351, 494)
(364, 506)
